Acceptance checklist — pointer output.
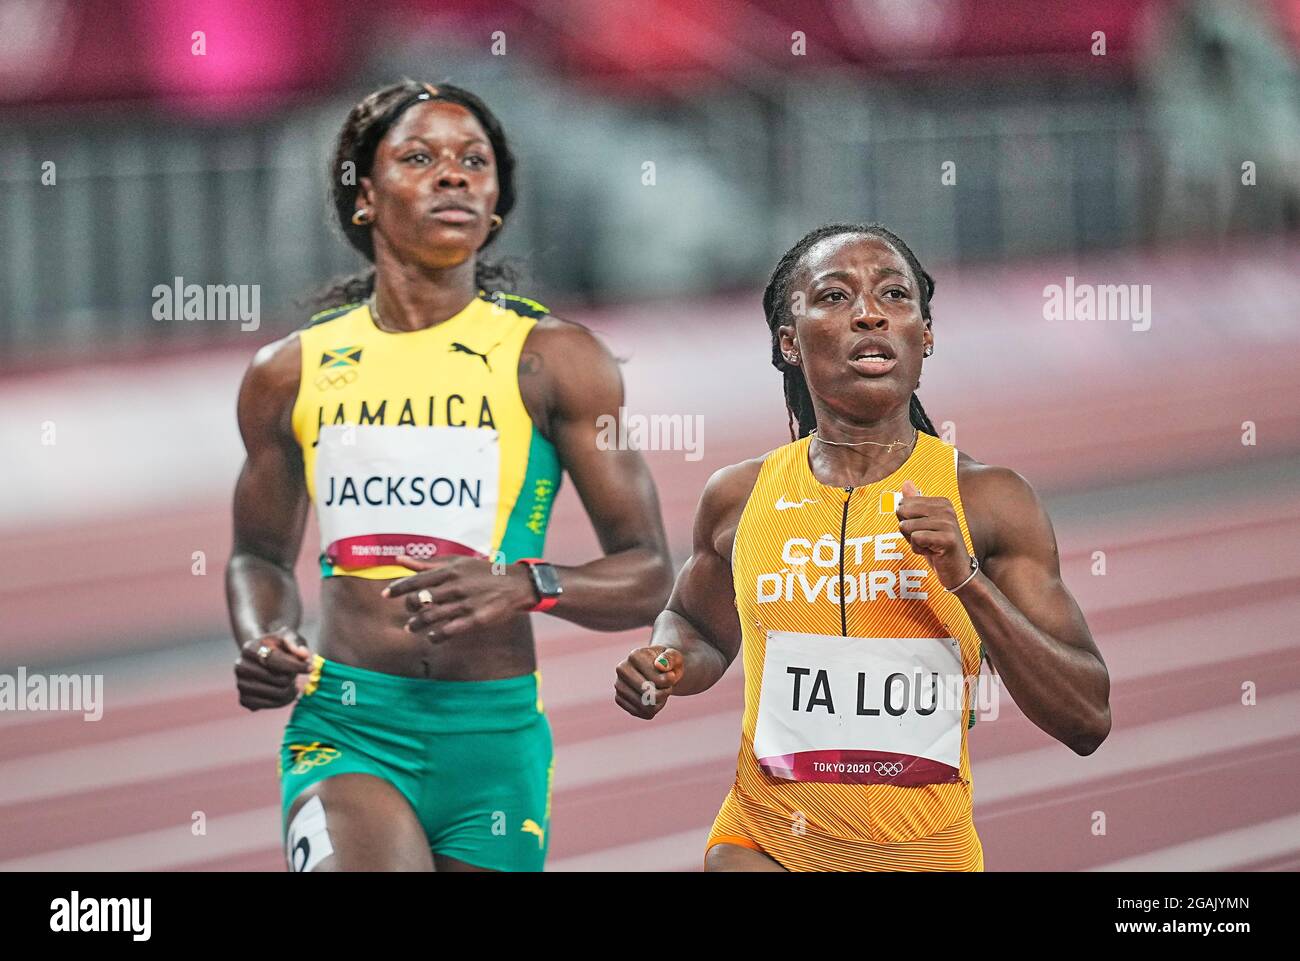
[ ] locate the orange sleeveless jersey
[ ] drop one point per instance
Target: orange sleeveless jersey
(812, 825)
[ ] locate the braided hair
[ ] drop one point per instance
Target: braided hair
(776, 306)
(354, 156)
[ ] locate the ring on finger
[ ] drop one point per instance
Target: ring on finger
(425, 596)
(264, 652)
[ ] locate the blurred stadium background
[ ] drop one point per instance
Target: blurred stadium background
(1117, 168)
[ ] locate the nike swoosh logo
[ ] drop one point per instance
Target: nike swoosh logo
(784, 505)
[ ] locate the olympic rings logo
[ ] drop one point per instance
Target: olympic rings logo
(308, 756)
(421, 551)
(889, 768)
(341, 379)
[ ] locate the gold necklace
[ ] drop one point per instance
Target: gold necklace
(890, 446)
(372, 302)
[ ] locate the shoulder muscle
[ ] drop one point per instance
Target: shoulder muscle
(566, 373)
(722, 503)
(269, 389)
(1004, 509)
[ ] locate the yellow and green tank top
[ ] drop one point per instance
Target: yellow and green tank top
(418, 442)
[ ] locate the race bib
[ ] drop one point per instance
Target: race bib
(861, 710)
(382, 491)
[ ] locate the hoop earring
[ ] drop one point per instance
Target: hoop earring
(497, 221)
(362, 216)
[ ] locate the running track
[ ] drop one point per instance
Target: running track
(1201, 595)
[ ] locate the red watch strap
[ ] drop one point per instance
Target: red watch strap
(546, 603)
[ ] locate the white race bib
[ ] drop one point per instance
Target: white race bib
(861, 710)
(388, 490)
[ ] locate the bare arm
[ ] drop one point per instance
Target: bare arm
(698, 636)
(270, 511)
(1033, 631)
(626, 587)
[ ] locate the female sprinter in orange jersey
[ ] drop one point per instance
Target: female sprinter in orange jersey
(865, 570)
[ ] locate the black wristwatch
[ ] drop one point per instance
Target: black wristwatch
(546, 582)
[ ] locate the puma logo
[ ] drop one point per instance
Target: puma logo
(784, 505)
(458, 348)
(532, 827)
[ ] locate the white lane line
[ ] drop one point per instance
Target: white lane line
(170, 849)
(164, 849)
(144, 680)
(1202, 640)
(183, 750)
(1219, 852)
(656, 748)
(1130, 750)
(158, 677)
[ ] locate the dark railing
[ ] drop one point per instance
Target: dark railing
(736, 176)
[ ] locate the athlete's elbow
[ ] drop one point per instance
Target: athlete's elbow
(1091, 738)
(246, 557)
(1083, 746)
(654, 602)
(653, 593)
(640, 592)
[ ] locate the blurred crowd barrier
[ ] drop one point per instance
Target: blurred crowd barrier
(689, 188)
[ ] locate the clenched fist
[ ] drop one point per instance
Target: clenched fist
(646, 678)
(266, 673)
(930, 526)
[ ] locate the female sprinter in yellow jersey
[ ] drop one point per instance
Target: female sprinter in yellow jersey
(428, 418)
(864, 569)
